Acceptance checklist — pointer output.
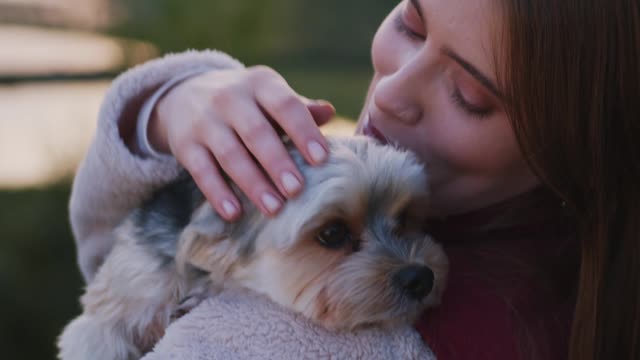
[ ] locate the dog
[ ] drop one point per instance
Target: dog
(348, 252)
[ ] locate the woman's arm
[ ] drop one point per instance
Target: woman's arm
(240, 325)
(113, 178)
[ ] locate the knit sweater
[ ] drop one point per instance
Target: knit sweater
(112, 181)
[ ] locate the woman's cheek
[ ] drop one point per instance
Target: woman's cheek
(386, 46)
(450, 141)
(475, 146)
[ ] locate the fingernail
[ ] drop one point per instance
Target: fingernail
(270, 202)
(290, 183)
(229, 208)
(317, 152)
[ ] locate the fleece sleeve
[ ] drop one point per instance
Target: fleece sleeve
(240, 325)
(111, 179)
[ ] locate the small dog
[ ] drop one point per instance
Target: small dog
(347, 252)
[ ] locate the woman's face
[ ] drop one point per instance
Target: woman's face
(434, 91)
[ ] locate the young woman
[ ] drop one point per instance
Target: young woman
(526, 115)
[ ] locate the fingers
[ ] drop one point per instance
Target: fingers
(200, 164)
(289, 111)
(229, 126)
(321, 110)
(235, 160)
(263, 142)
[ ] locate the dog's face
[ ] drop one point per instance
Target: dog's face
(349, 250)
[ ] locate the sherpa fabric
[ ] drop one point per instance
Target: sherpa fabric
(111, 181)
(236, 325)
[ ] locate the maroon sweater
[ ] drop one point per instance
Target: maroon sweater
(511, 288)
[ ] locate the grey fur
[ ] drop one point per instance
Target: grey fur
(168, 245)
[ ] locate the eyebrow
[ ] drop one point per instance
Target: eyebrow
(484, 80)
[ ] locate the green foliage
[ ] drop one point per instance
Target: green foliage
(39, 277)
(321, 47)
(344, 89)
(281, 32)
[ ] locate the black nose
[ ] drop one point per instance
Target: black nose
(415, 280)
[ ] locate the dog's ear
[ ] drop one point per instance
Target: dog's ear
(199, 238)
(212, 244)
(206, 222)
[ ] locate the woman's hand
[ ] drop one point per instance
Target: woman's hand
(228, 120)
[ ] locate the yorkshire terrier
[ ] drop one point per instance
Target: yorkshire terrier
(348, 252)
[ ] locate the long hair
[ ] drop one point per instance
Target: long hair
(572, 82)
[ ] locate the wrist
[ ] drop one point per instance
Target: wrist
(157, 131)
(152, 134)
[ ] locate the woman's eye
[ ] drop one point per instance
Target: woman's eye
(470, 107)
(469, 97)
(334, 236)
(408, 22)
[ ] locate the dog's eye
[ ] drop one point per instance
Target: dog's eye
(334, 236)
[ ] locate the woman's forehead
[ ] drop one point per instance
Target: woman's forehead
(469, 28)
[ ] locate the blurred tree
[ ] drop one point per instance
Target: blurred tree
(337, 32)
(321, 47)
(39, 277)
(287, 32)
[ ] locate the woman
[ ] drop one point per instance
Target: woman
(526, 115)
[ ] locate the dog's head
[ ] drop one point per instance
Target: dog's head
(349, 250)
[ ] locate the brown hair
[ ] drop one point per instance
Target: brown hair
(572, 82)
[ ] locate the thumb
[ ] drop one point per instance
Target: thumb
(321, 110)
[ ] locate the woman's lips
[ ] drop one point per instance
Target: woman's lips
(369, 130)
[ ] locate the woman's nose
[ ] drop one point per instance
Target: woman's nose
(396, 96)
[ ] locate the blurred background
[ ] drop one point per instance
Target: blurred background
(57, 58)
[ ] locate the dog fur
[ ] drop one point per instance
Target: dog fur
(347, 252)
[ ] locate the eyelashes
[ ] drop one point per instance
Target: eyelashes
(456, 95)
(469, 108)
(402, 28)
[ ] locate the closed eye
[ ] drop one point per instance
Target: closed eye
(402, 28)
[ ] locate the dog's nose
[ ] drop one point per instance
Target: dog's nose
(415, 280)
